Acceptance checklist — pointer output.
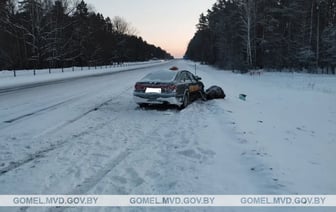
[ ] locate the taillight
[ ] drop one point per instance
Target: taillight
(139, 87)
(171, 88)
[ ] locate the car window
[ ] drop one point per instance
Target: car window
(159, 76)
(182, 76)
(187, 77)
(178, 77)
(192, 77)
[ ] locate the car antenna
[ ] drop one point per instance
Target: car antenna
(195, 69)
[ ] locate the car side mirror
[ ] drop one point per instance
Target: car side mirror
(198, 78)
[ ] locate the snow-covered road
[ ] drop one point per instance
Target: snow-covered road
(87, 136)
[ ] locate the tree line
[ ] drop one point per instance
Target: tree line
(274, 34)
(57, 33)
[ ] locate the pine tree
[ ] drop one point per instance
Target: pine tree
(268, 34)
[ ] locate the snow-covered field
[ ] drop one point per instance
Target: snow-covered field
(87, 136)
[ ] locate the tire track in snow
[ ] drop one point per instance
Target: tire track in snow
(38, 154)
(180, 152)
(142, 143)
(30, 158)
(93, 180)
(41, 153)
(12, 121)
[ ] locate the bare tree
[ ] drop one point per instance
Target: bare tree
(247, 16)
(121, 26)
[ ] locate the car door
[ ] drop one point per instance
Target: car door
(182, 83)
(193, 85)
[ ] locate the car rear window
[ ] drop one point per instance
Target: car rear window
(160, 76)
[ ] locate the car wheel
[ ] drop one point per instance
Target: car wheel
(185, 101)
(142, 105)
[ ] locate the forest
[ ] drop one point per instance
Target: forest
(267, 34)
(60, 33)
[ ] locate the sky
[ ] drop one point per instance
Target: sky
(169, 24)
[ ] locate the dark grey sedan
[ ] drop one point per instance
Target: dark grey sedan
(176, 87)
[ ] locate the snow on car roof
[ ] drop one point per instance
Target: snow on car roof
(160, 76)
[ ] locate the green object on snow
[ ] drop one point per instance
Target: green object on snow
(242, 97)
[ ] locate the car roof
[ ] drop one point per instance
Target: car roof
(160, 75)
(163, 75)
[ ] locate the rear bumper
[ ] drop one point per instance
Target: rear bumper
(152, 98)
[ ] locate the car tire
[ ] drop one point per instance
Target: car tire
(185, 101)
(143, 105)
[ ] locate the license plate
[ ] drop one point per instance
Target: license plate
(153, 90)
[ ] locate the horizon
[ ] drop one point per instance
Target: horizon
(154, 22)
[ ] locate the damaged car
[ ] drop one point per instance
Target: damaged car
(172, 87)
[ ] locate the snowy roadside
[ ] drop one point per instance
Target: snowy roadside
(100, 142)
(26, 77)
(287, 125)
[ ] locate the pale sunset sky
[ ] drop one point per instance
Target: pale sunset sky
(169, 24)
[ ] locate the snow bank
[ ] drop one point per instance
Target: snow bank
(286, 125)
(25, 77)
